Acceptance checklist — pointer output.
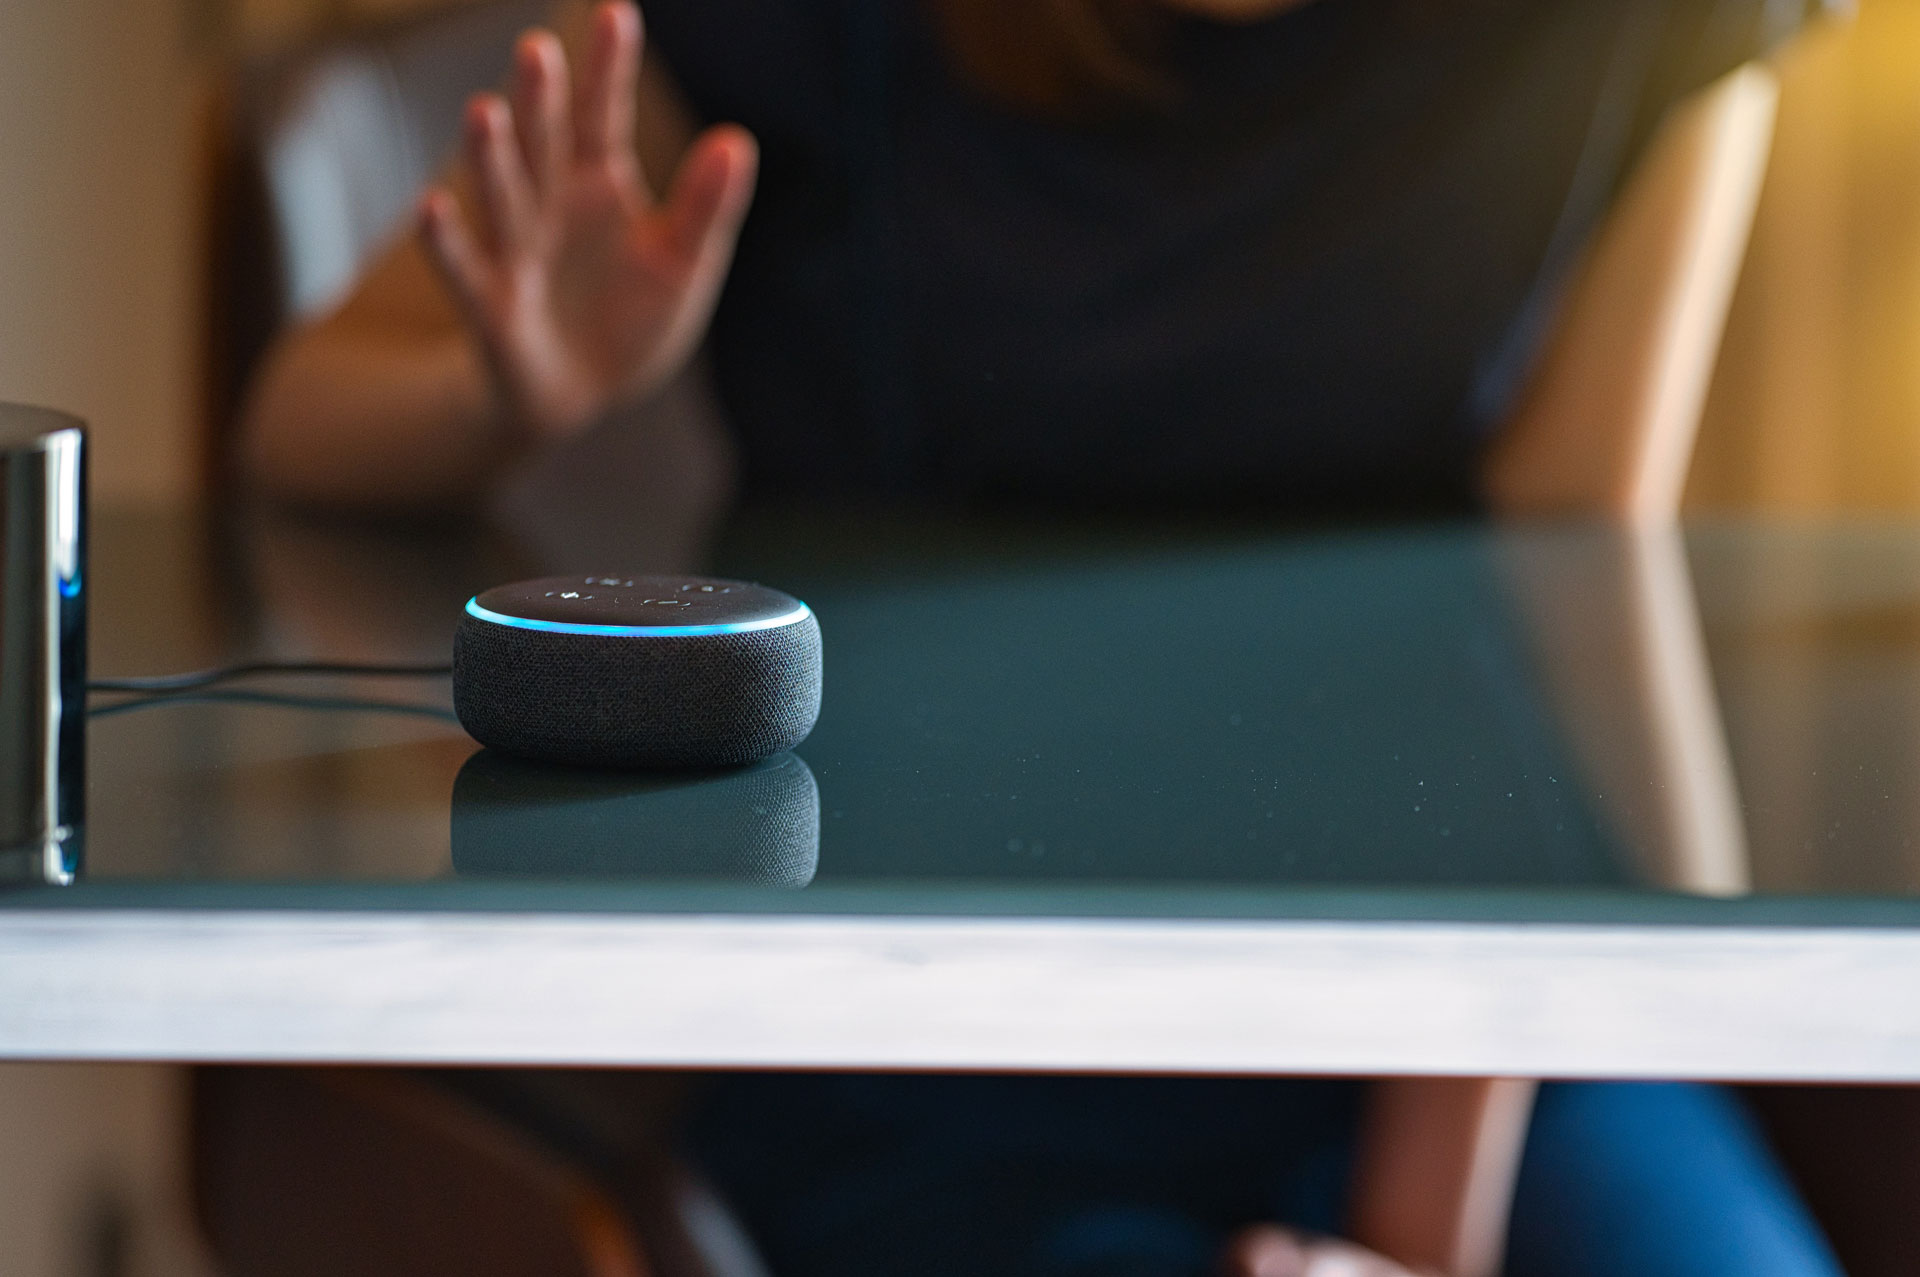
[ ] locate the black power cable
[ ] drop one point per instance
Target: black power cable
(196, 679)
(242, 696)
(203, 686)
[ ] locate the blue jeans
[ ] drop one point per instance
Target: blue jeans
(1652, 1179)
(1072, 1177)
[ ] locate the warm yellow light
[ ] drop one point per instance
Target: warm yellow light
(1816, 405)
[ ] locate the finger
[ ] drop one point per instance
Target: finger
(540, 109)
(454, 252)
(711, 194)
(604, 112)
(1270, 1251)
(1264, 1251)
(502, 190)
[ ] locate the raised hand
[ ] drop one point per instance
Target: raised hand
(582, 291)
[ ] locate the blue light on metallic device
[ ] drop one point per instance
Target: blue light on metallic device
(70, 587)
(635, 631)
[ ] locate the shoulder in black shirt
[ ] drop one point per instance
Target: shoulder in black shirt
(1311, 279)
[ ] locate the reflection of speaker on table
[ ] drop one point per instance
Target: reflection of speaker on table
(758, 824)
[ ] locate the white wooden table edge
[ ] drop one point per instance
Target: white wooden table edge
(1085, 994)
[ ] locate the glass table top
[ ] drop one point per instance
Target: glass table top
(1433, 720)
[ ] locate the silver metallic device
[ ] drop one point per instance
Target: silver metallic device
(43, 643)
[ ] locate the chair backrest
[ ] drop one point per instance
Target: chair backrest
(1608, 419)
(348, 134)
(317, 158)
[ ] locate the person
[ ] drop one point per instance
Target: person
(1126, 253)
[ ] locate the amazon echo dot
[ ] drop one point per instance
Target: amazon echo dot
(637, 671)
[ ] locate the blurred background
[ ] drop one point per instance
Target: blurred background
(109, 111)
(109, 115)
(1816, 402)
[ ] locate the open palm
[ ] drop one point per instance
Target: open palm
(583, 291)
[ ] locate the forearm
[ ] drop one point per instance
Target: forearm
(348, 418)
(390, 403)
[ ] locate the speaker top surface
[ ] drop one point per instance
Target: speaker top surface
(640, 606)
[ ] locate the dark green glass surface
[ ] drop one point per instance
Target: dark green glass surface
(1441, 721)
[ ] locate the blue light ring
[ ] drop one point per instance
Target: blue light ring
(479, 613)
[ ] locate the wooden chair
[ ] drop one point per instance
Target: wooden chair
(302, 1172)
(1606, 427)
(315, 1172)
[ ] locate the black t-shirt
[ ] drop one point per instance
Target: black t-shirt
(1314, 279)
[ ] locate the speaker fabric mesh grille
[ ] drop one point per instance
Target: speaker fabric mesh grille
(637, 701)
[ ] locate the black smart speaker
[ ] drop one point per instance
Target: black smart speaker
(637, 671)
